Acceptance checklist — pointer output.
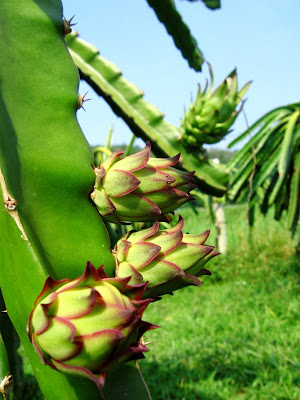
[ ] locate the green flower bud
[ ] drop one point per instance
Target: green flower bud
(210, 118)
(140, 188)
(88, 325)
(167, 259)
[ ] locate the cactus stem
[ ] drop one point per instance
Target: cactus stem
(10, 205)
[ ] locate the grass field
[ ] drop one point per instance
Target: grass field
(237, 337)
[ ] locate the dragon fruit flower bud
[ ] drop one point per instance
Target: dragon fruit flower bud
(138, 188)
(88, 325)
(212, 115)
(167, 259)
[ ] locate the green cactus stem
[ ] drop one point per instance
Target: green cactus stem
(144, 119)
(10, 347)
(6, 380)
(211, 4)
(51, 226)
(168, 15)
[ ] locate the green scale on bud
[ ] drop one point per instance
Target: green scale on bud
(209, 119)
(167, 259)
(138, 188)
(88, 325)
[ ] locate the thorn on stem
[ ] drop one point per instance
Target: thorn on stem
(81, 100)
(10, 204)
(6, 385)
(67, 25)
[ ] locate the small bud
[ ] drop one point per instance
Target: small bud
(212, 114)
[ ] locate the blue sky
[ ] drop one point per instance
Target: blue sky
(259, 37)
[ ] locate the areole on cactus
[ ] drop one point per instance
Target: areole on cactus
(167, 259)
(140, 188)
(89, 325)
(210, 118)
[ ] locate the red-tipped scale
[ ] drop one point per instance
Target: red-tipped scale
(89, 325)
(140, 188)
(167, 259)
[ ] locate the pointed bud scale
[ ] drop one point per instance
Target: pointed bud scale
(167, 259)
(119, 183)
(209, 119)
(196, 239)
(144, 233)
(89, 325)
(152, 179)
(115, 156)
(135, 161)
(160, 163)
(138, 188)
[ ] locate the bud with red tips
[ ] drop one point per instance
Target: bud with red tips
(138, 188)
(88, 325)
(167, 259)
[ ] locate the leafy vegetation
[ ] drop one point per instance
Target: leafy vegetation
(267, 169)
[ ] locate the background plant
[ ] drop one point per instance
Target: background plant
(266, 170)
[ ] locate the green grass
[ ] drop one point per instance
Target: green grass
(237, 337)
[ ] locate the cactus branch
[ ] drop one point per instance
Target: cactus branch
(168, 15)
(144, 119)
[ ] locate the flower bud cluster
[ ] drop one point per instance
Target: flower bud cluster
(92, 324)
(210, 118)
